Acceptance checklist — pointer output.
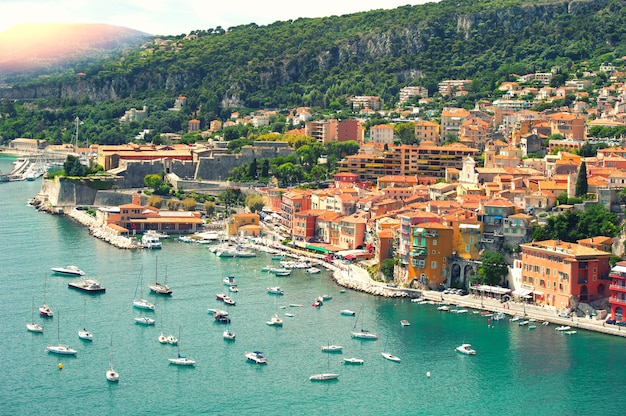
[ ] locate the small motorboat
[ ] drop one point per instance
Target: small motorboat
(313, 270)
(545, 323)
(172, 340)
(353, 360)
(289, 315)
(276, 290)
(233, 289)
(347, 312)
(570, 332)
(515, 318)
(228, 335)
(563, 328)
(256, 357)
(404, 322)
(465, 349)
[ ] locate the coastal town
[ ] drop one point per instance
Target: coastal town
(466, 183)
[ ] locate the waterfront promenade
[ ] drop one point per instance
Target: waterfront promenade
(355, 277)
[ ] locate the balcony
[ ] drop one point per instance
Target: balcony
(616, 302)
(617, 288)
(417, 253)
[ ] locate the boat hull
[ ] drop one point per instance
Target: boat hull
(324, 377)
(61, 350)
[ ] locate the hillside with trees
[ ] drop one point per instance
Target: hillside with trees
(320, 63)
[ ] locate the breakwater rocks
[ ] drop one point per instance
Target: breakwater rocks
(346, 278)
(102, 231)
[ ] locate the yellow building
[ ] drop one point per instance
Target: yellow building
(431, 246)
(237, 221)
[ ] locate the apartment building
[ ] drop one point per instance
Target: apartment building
(431, 246)
(427, 130)
(569, 125)
(424, 160)
(554, 271)
(406, 93)
(451, 120)
(617, 298)
(381, 134)
(323, 130)
(366, 101)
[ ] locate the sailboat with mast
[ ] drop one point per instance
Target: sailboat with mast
(141, 303)
(111, 374)
(363, 333)
(325, 376)
(45, 310)
(83, 333)
(181, 359)
(158, 287)
(387, 355)
(33, 326)
(60, 349)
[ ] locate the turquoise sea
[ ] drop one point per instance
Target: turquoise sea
(515, 371)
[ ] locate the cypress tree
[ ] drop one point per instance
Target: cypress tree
(581, 181)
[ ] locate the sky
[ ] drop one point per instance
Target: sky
(175, 17)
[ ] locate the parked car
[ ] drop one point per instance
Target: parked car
(611, 321)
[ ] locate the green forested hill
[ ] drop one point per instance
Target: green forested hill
(318, 61)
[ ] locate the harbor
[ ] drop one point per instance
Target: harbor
(508, 359)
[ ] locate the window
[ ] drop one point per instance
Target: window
(471, 240)
(433, 264)
(434, 242)
(467, 248)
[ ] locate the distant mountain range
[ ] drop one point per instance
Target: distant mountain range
(33, 48)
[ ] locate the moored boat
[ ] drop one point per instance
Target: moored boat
(563, 328)
(347, 312)
(256, 357)
(353, 360)
(68, 270)
(228, 335)
(276, 290)
(332, 348)
(404, 322)
(324, 377)
(144, 320)
(87, 285)
(364, 334)
(390, 357)
(465, 349)
(275, 321)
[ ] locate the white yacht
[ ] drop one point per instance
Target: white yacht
(466, 349)
(68, 270)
